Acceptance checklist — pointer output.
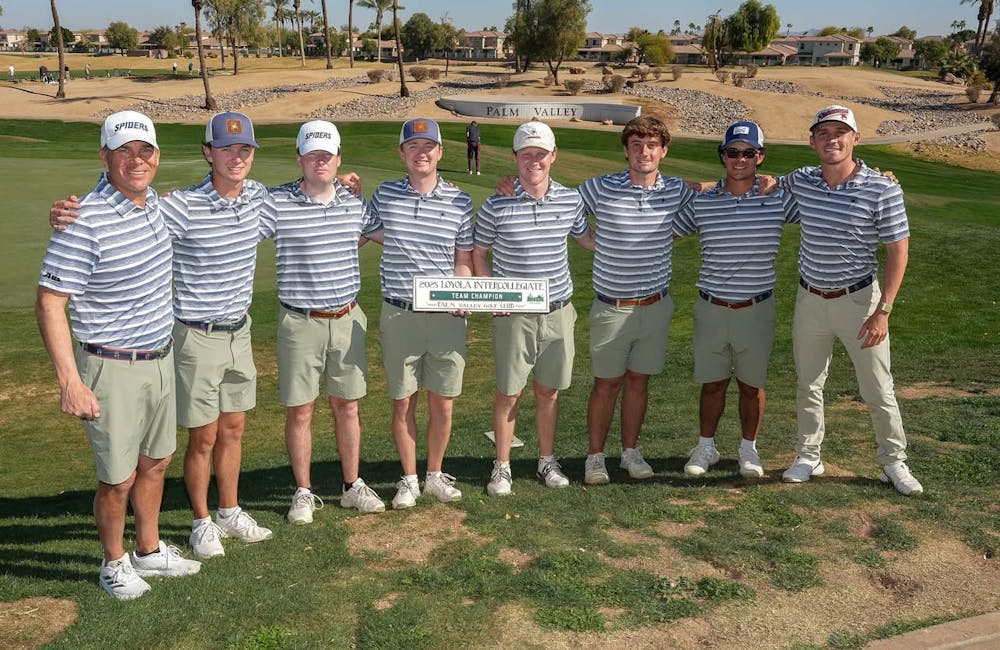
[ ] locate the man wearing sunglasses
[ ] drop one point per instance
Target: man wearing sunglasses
(734, 318)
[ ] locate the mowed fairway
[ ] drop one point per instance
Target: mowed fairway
(668, 562)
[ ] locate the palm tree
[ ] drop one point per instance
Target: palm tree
(61, 48)
(350, 30)
(326, 35)
(985, 13)
(788, 29)
(869, 31)
(403, 90)
(209, 100)
(380, 7)
(297, 5)
(280, 8)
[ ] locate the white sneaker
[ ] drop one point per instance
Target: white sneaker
(500, 480)
(304, 503)
(595, 472)
(702, 457)
(362, 497)
(442, 487)
(750, 465)
(478, 174)
(121, 581)
(206, 540)
(165, 561)
(406, 494)
(802, 470)
(242, 526)
(550, 472)
(635, 464)
(899, 475)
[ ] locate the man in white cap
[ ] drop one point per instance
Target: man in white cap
(113, 269)
(847, 210)
(526, 233)
(425, 226)
(316, 223)
(734, 318)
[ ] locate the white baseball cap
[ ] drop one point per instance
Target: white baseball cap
(534, 134)
(318, 135)
(125, 126)
(835, 113)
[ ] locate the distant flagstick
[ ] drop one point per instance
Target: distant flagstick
(515, 441)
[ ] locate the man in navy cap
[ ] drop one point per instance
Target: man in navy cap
(734, 317)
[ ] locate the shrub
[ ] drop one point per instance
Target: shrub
(574, 86)
(974, 92)
(375, 76)
(606, 70)
(549, 80)
(642, 72)
(503, 80)
(677, 71)
(738, 79)
(657, 73)
(751, 71)
(617, 83)
(606, 81)
(722, 76)
(418, 72)
(577, 70)
(434, 73)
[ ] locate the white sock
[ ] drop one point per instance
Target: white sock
(411, 479)
(302, 490)
(706, 442)
(547, 459)
(503, 463)
(201, 522)
(226, 513)
(748, 445)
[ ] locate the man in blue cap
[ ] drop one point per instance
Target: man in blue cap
(734, 317)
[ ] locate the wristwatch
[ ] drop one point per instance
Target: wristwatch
(885, 307)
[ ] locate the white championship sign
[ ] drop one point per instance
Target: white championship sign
(519, 295)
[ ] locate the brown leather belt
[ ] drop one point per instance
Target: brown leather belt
(736, 305)
(315, 313)
(837, 293)
(632, 302)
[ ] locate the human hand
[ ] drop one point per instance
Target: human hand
(353, 181)
(874, 330)
(64, 212)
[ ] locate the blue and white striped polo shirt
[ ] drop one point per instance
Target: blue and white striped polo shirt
(528, 235)
(114, 263)
(843, 225)
(421, 232)
(740, 237)
(634, 238)
(316, 245)
(215, 249)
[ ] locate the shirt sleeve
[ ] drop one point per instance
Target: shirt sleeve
(372, 221)
(890, 215)
(580, 226)
(463, 239)
(485, 228)
(70, 259)
(174, 211)
(268, 223)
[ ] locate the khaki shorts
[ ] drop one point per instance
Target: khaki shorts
(629, 338)
(540, 342)
(733, 341)
(138, 412)
(311, 348)
(422, 349)
(215, 374)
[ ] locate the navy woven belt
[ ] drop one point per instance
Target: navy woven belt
(736, 305)
(402, 304)
(126, 355)
(210, 327)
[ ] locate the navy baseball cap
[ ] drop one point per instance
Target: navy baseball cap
(744, 131)
(420, 128)
(229, 128)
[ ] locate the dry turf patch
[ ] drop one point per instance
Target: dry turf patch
(388, 539)
(33, 622)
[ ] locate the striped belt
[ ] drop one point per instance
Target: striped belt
(126, 355)
(315, 313)
(209, 327)
(736, 305)
(837, 293)
(402, 304)
(632, 302)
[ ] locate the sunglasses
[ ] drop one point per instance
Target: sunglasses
(733, 153)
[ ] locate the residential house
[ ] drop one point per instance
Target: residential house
(481, 45)
(832, 50)
(13, 40)
(602, 47)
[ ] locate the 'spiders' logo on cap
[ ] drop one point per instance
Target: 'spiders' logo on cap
(234, 127)
(318, 134)
(421, 127)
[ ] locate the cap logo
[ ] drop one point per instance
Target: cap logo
(234, 127)
(741, 130)
(319, 134)
(420, 127)
(131, 125)
(833, 112)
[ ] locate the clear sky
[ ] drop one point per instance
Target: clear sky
(927, 17)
